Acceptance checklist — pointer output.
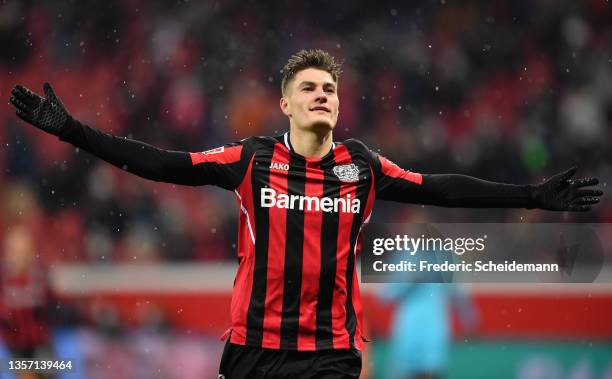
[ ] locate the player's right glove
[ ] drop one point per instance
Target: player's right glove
(560, 193)
(48, 114)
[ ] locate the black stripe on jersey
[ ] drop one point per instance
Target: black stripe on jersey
(362, 195)
(294, 252)
(260, 176)
(327, 281)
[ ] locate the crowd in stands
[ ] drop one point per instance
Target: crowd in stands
(506, 91)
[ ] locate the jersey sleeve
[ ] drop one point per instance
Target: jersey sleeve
(224, 166)
(448, 190)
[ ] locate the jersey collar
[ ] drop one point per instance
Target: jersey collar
(290, 148)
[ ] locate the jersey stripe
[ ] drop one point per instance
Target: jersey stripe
(243, 283)
(276, 255)
(311, 269)
(255, 315)
(344, 260)
(327, 279)
(293, 257)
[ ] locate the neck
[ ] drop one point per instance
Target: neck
(311, 143)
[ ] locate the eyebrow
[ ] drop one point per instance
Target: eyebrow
(309, 83)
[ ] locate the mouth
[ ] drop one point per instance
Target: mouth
(320, 108)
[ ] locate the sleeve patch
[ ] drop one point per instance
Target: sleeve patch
(391, 169)
(221, 155)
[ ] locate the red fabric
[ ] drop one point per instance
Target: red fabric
(221, 155)
(391, 169)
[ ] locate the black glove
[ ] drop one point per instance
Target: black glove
(48, 114)
(559, 193)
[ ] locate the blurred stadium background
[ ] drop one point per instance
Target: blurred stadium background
(140, 272)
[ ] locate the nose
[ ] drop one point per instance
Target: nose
(321, 95)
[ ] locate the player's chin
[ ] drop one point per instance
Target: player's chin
(323, 123)
(323, 126)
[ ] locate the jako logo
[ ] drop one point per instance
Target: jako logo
(269, 199)
(279, 166)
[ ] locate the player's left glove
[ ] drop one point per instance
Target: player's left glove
(560, 193)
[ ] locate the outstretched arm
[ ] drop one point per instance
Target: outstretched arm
(220, 166)
(559, 193)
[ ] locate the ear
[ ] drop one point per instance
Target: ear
(284, 105)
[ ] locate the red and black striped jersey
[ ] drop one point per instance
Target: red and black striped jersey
(300, 218)
(296, 286)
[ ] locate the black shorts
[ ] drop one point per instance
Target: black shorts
(250, 362)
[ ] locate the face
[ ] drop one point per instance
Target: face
(311, 100)
(19, 250)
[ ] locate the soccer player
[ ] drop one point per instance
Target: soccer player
(25, 299)
(296, 309)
